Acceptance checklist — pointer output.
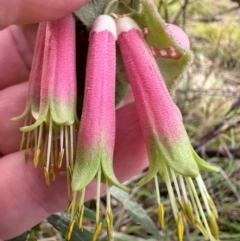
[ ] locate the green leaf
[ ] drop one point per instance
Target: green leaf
(135, 211)
(121, 90)
(89, 12)
(61, 221)
(22, 237)
(135, 5)
(126, 237)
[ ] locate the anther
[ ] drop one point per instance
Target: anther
(97, 231)
(36, 157)
(46, 174)
(70, 229)
(161, 212)
(80, 217)
(109, 222)
(180, 226)
(213, 225)
(60, 158)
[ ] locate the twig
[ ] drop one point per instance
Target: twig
(180, 10)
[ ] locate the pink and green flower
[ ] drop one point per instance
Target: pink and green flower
(96, 138)
(170, 153)
(51, 109)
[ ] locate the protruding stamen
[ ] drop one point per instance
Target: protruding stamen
(49, 142)
(170, 192)
(27, 146)
(174, 178)
(208, 197)
(160, 205)
(46, 174)
(109, 222)
(213, 207)
(188, 179)
(98, 195)
(60, 158)
(201, 228)
(180, 227)
(70, 205)
(71, 143)
(61, 153)
(183, 188)
(213, 225)
(80, 218)
(69, 182)
(161, 212)
(97, 231)
(23, 136)
(81, 204)
(73, 207)
(52, 172)
(43, 156)
(193, 202)
(157, 189)
(187, 210)
(109, 215)
(201, 186)
(70, 229)
(67, 162)
(36, 157)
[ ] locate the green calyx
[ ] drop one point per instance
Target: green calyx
(180, 156)
(87, 164)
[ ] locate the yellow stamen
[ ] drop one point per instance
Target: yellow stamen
(80, 218)
(60, 158)
(46, 174)
(97, 231)
(213, 207)
(70, 171)
(36, 157)
(70, 229)
(161, 212)
(201, 228)
(52, 172)
(69, 206)
(213, 225)
(109, 222)
(187, 210)
(180, 226)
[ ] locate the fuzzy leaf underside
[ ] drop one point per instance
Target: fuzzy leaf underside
(135, 211)
(89, 12)
(173, 70)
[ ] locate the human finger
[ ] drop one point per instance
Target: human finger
(16, 51)
(25, 193)
(12, 104)
(33, 11)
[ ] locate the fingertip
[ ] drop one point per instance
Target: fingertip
(32, 11)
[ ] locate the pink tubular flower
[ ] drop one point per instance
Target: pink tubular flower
(169, 149)
(96, 136)
(52, 97)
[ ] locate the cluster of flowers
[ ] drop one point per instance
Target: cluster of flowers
(51, 121)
